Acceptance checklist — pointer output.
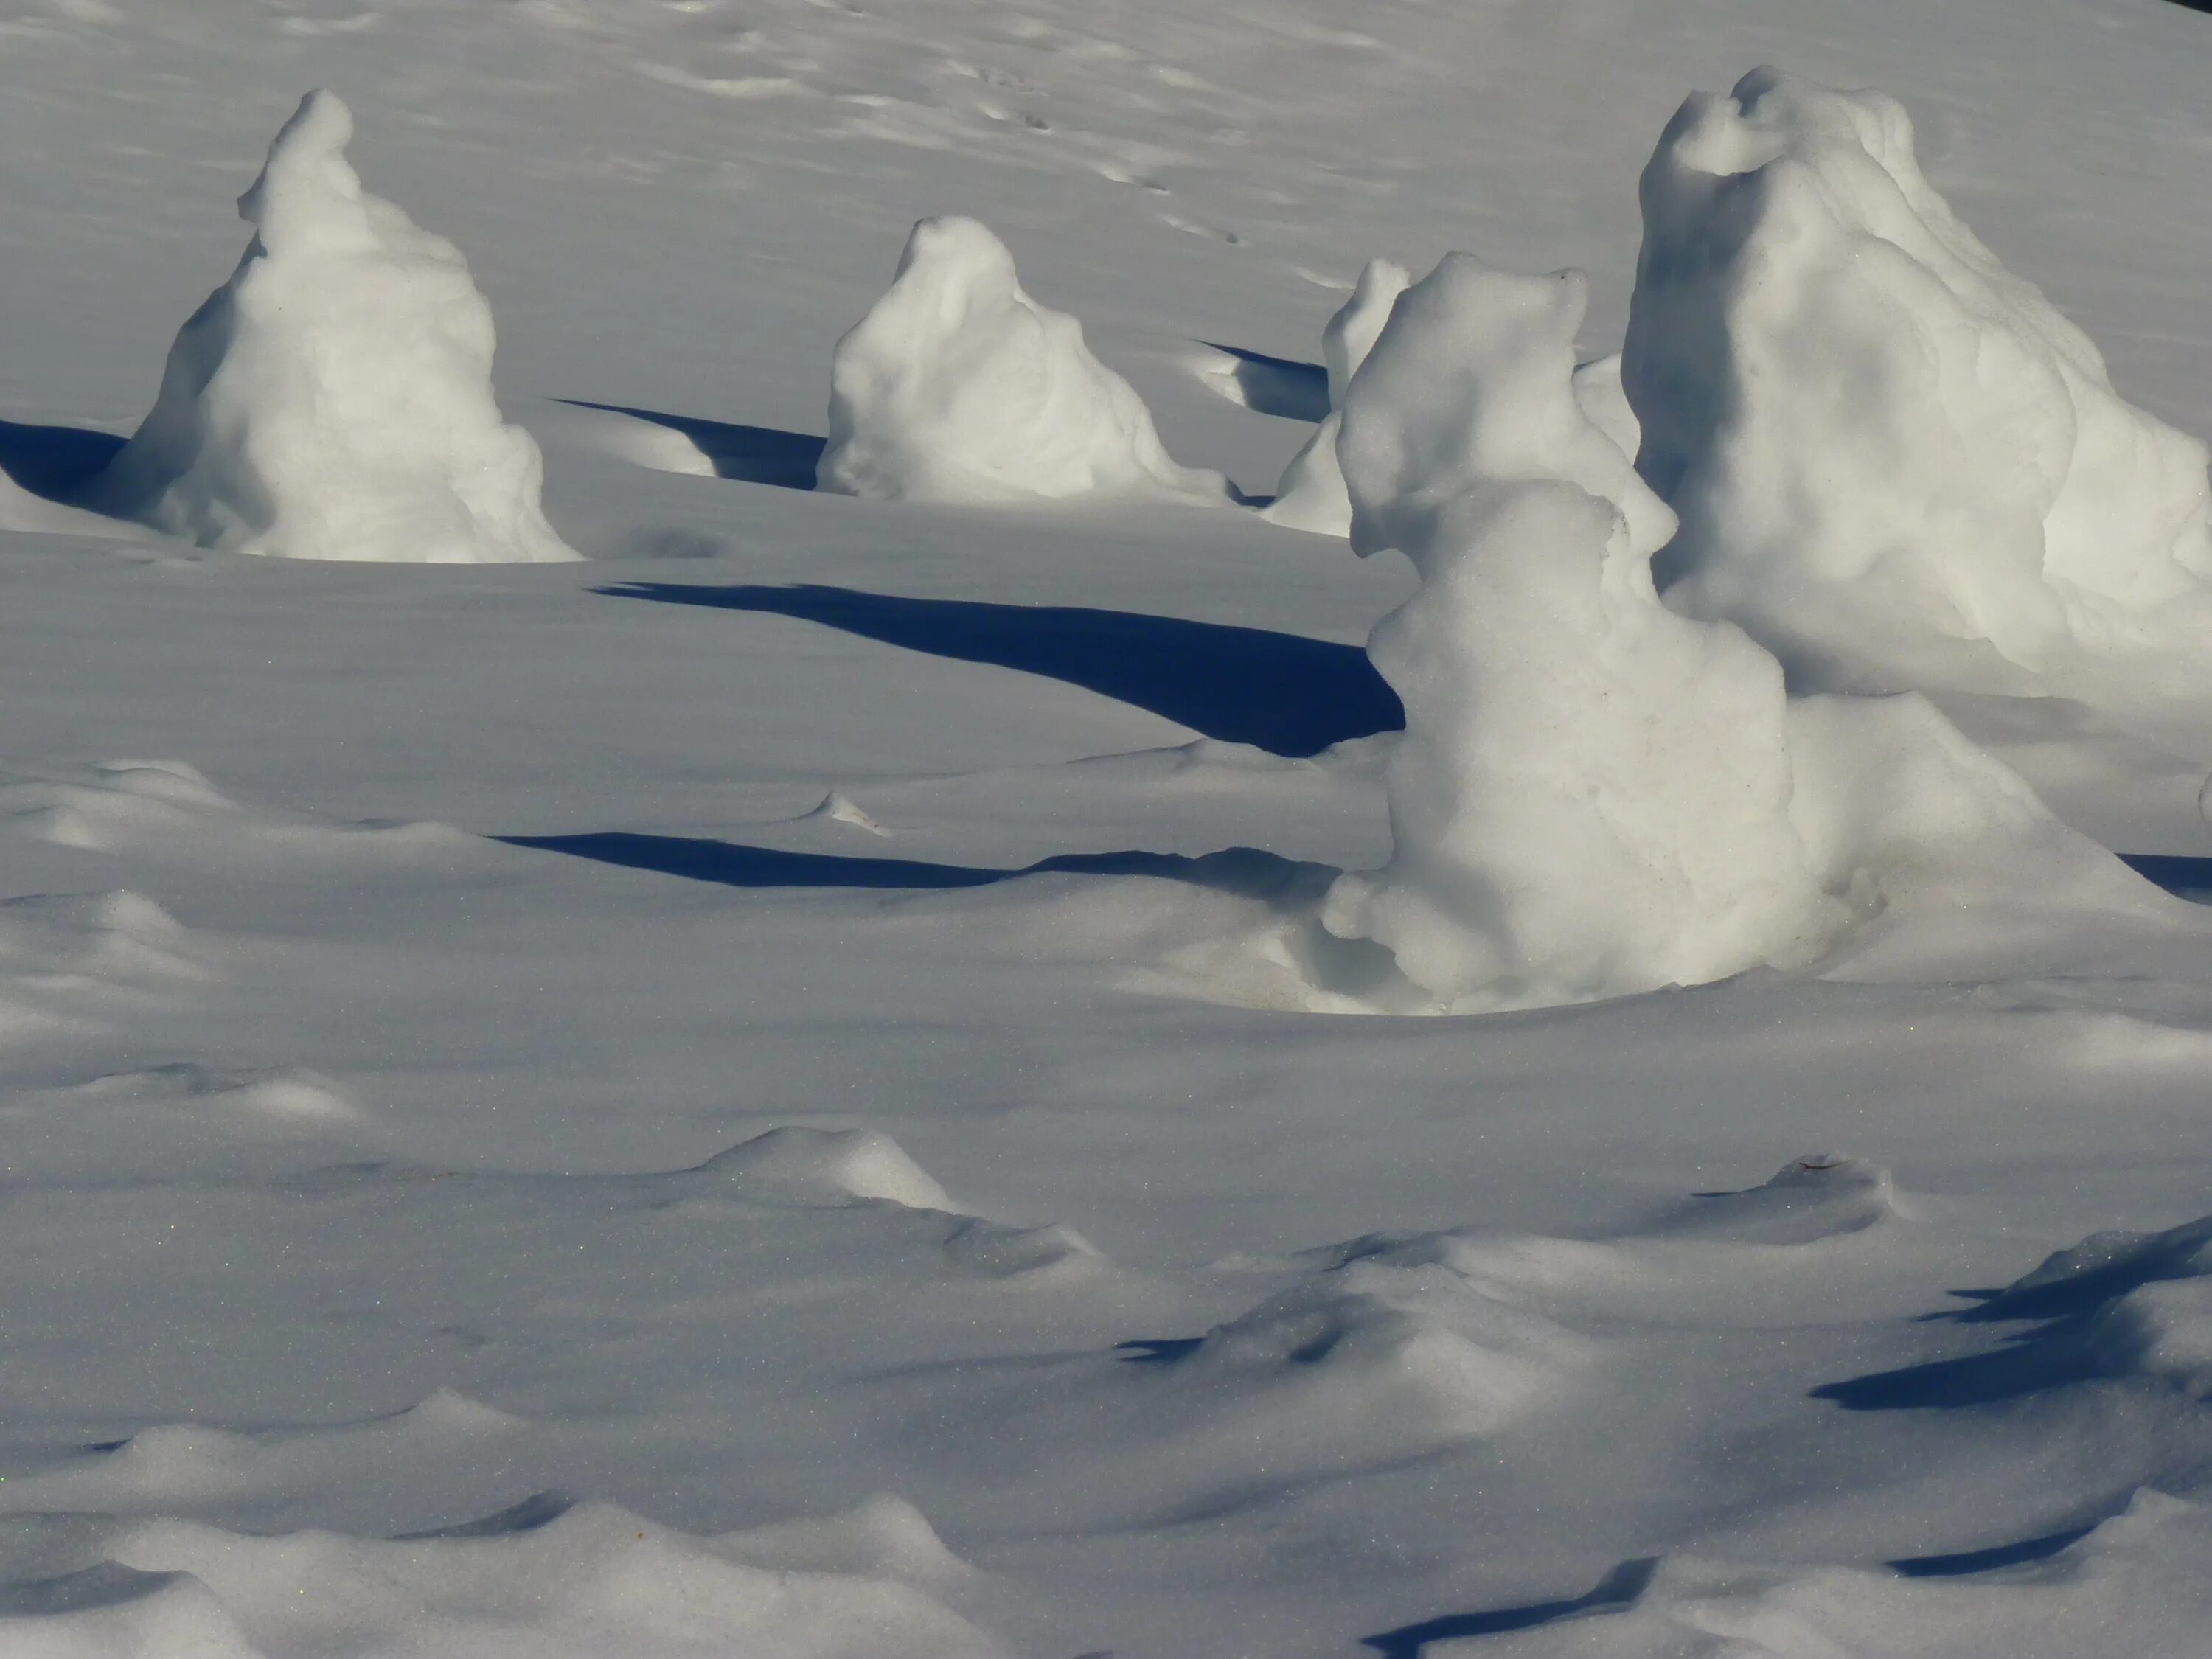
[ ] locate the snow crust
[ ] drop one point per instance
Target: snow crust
(959, 386)
(1895, 462)
(333, 399)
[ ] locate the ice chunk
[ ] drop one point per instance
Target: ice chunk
(333, 399)
(1895, 463)
(958, 387)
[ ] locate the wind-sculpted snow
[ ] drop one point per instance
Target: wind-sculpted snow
(2133, 1585)
(333, 399)
(1896, 463)
(557, 1583)
(958, 387)
(1311, 496)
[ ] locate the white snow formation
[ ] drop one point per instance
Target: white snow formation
(959, 386)
(1895, 463)
(1595, 795)
(333, 399)
(1311, 494)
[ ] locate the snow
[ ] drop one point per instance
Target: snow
(333, 400)
(1896, 462)
(1311, 496)
(958, 387)
(475, 1088)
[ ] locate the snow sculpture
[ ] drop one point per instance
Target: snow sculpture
(1895, 463)
(958, 387)
(1311, 494)
(1593, 794)
(333, 399)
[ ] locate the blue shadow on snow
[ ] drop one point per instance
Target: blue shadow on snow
(54, 462)
(1616, 1590)
(1288, 694)
(754, 454)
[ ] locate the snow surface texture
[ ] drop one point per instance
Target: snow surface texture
(958, 387)
(1311, 496)
(333, 399)
(486, 1093)
(1895, 463)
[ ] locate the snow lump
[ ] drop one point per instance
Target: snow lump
(1311, 494)
(1895, 463)
(959, 386)
(333, 399)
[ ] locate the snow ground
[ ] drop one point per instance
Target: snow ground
(387, 954)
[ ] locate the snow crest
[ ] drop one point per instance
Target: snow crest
(959, 386)
(1895, 463)
(333, 399)
(1311, 496)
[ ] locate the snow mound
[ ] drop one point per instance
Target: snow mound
(168, 806)
(1895, 463)
(1311, 496)
(1819, 1196)
(593, 1580)
(1052, 1254)
(1593, 793)
(1407, 1353)
(333, 399)
(958, 387)
(2135, 1584)
(836, 1165)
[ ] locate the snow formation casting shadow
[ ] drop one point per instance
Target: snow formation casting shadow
(1242, 869)
(751, 454)
(1277, 386)
(1287, 695)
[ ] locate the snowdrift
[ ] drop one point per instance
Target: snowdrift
(959, 386)
(333, 399)
(1595, 795)
(1896, 465)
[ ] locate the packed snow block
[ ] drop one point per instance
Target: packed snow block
(1593, 794)
(1895, 463)
(958, 387)
(1311, 494)
(333, 399)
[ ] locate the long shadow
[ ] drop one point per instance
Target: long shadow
(2185, 878)
(2016, 1553)
(1280, 692)
(1617, 1590)
(1277, 386)
(755, 454)
(1242, 869)
(54, 462)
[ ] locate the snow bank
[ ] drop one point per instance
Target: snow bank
(1593, 793)
(333, 399)
(1895, 463)
(1311, 496)
(958, 387)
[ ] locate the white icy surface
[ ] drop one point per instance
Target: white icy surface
(380, 1253)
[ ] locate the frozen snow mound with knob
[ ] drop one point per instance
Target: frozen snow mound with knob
(333, 399)
(1896, 465)
(1595, 795)
(958, 387)
(1311, 494)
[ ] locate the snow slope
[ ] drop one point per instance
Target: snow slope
(488, 1161)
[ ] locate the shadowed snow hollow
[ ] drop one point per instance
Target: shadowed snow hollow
(958, 387)
(333, 399)
(1895, 463)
